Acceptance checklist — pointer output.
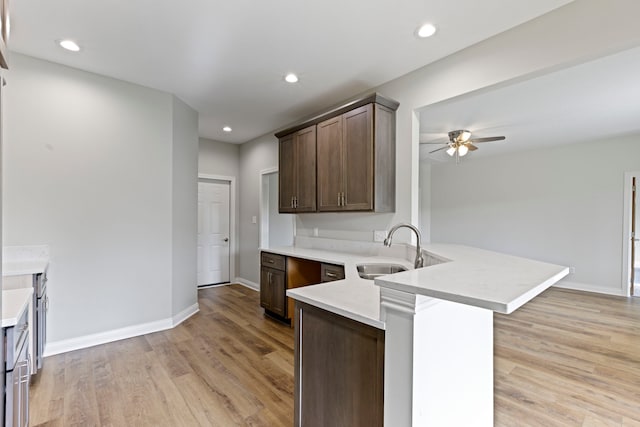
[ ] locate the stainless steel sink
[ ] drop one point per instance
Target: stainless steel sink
(371, 271)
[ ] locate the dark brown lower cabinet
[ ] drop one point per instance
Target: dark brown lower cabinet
(272, 290)
(339, 366)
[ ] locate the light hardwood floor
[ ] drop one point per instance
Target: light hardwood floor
(565, 359)
(568, 359)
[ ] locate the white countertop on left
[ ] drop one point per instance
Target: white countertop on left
(14, 303)
(18, 268)
(21, 260)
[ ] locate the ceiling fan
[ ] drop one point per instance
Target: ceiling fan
(460, 143)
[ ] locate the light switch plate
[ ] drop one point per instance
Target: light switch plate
(254, 220)
(379, 235)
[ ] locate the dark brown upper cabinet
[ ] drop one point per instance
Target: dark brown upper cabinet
(297, 171)
(355, 157)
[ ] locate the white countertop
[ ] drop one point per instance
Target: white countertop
(478, 277)
(352, 297)
(18, 268)
(472, 276)
(14, 302)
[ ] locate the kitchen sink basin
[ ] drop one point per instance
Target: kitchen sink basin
(371, 271)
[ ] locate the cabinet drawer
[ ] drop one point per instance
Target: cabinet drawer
(330, 272)
(273, 261)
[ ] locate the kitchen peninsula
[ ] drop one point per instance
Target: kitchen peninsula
(433, 327)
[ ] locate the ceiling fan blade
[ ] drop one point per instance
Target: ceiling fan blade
(439, 149)
(487, 139)
(471, 147)
(437, 143)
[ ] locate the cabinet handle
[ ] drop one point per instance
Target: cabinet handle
(269, 277)
(331, 274)
(270, 261)
(291, 201)
(339, 199)
(295, 201)
(343, 202)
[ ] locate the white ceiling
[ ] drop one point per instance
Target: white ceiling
(227, 58)
(591, 101)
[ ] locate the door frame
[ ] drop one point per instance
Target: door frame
(263, 224)
(627, 262)
(232, 218)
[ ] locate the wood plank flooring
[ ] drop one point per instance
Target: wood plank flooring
(565, 359)
(568, 359)
(227, 365)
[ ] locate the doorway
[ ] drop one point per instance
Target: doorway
(214, 227)
(631, 235)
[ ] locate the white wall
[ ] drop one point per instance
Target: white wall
(255, 156)
(2, 120)
(561, 205)
(556, 40)
(559, 39)
(184, 182)
(88, 171)
(280, 225)
(218, 158)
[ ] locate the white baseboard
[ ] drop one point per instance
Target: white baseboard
(248, 283)
(63, 346)
(577, 286)
(185, 314)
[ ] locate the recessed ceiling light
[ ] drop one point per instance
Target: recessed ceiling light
(291, 78)
(227, 129)
(426, 30)
(69, 45)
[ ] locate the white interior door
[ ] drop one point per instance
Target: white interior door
(213, 232)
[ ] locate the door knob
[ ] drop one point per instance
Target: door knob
(226, 239)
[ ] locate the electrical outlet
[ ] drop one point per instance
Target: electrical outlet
(379, 235)
(572, 270)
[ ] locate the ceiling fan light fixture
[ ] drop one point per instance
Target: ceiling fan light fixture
(462, 150)
(451, 151)
(459, 136)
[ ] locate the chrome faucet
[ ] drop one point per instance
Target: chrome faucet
(419, 262)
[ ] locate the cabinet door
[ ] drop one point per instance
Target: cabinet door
(24, 393)
(272, 291)
(305, 147)
(278, 289)
(339, 366)
(265, 288)
(357, 136)
(329, 134)
(287, 174)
